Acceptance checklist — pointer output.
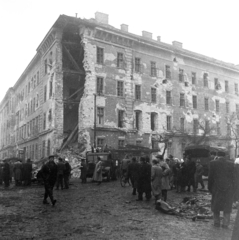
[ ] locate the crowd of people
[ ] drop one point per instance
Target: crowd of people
(21, 172)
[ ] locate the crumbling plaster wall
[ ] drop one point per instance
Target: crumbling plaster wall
(112, 103)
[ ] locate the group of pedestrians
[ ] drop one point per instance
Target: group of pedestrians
(149, 179)
(22, 173)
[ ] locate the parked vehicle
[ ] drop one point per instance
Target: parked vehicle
(206, 154)
(108, 169)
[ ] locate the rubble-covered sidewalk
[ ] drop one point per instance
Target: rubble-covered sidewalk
(108, 211)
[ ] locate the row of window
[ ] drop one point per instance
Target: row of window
(138, 67)
(37, 151)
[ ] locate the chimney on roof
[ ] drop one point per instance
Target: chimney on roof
(101, 17)
(158, 38)
(124, 27)
(177, 44)
(147, 34)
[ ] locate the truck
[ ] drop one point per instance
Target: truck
(206, 154)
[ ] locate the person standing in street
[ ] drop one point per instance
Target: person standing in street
(144, 180)
(60, 172)
(156, 180)
(198, 174)
(97, 176)
(67, 173)
(18, 173)
(83, 169)
(132, 174)
(27, 172)
(49, 175)
(165, 178)
(221, 185)
(6, 174)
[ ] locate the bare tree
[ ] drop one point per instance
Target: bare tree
(233, 129)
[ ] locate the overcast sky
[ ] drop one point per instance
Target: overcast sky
(209, 27)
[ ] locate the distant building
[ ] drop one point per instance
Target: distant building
(147, 92)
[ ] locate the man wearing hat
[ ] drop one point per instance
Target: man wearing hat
(67, 173)
(198, 174)
(49, 175)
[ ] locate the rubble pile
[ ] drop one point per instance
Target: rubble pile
(74, 156)
(195, 208)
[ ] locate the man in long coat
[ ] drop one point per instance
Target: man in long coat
(221, 186)
(17, 169)
(49, 175)
(27, 172)
(67, 173)
(132, 174)
(98, 171)
(156, 180)
(6, 173)
(144, 180)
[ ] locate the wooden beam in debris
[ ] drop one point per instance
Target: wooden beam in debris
(75, 130)
(73, 61)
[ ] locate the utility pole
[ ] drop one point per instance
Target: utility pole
(95, 121)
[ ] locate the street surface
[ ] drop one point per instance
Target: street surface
(88, 211)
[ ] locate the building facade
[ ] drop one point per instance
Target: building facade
(112, 87)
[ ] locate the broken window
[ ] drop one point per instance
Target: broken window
(33, 127)
(48, 147)
(168, 98)
(137, 65)
(34, 82)
(50, 88)
(182, 100)
(120, 143)
(153, 69)
(43, 148)
(44, 121)
(153, 95)
(100, 55)
(205, 79)
(194, 102)
(206, 104)
(182, 121)
(36, 151)
(38, 78)
(99, 86)
(37, 100)
(168, 72)
(226, 86)
(100, 142)
(120, 60)
(45, 93)
(217, 84)
(50, 60)
(120, 118)
(169, 123)
(100, 115)
(227, 107)
(137, 92)
(195, 126)
(46, 67)
(169, 149)
(217, 106)
(138, 119)
(194, 78)
(154, 118)
(120, 88)
(181, 75)
(236, 88)
(50, 115)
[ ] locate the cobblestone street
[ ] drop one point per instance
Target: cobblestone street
(88, 211)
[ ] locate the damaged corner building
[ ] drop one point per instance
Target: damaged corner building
(100, 85)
